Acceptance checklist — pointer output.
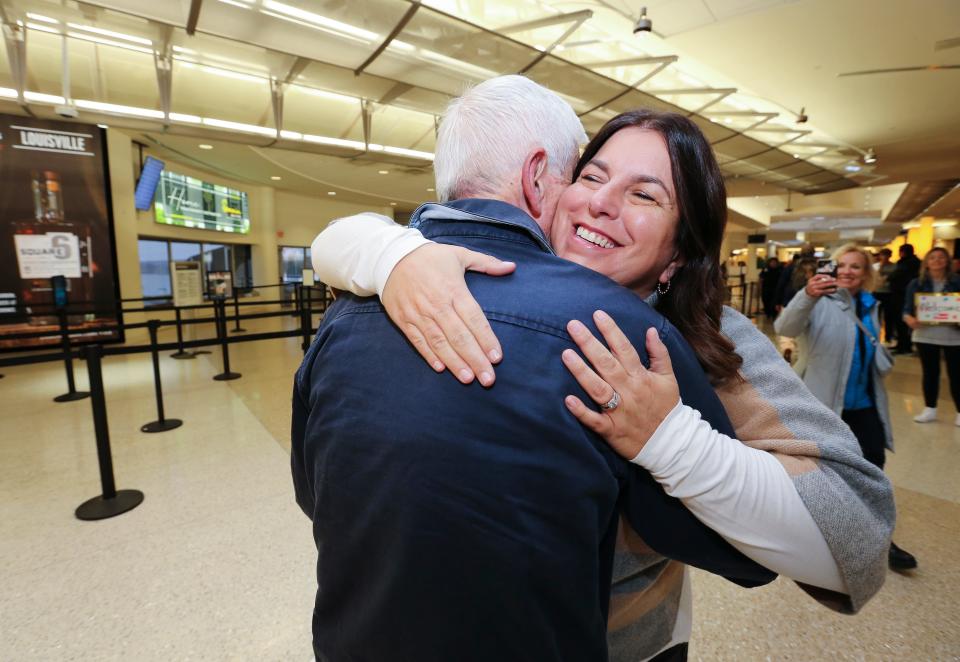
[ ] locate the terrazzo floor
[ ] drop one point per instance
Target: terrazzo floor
(217, 563)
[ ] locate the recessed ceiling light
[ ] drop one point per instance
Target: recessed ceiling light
(430, 189)
(205, 146)
(383, 172)
(331, 192)
(276, 178)
(796, 156)
(103, 126)
(393, 204)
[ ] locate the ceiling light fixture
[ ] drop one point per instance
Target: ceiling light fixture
(110, 33)
(643, 24)
(383, 172)
(276, 178)
(393, 204)
(331, 192)
(205, 146)
(870, 156)
(41, 18)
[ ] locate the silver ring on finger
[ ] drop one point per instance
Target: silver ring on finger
(612, 403)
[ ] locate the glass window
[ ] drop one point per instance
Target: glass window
(291, 264)
(154, 268)
(184, 251)
(242, 266)
(216, 257)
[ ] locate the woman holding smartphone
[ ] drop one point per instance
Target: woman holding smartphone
(837, 355)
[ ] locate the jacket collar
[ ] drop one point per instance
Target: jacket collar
(845, 299)
(482, 210)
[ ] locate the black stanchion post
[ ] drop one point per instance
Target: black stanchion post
(306, 317)
(236, 311)
(180, 354)
(72, 392)
(161, 424)
(112, 502)
(297, 299)
(221, 315)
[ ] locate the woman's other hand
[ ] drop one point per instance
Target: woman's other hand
(911, 321)
(646, 396)
(821, 284)
(426, 296)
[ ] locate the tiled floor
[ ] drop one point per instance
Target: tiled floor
(217, 563)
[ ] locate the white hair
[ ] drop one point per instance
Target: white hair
(488, 131)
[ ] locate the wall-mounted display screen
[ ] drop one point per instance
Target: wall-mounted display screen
(56, 239)
(147, 185)
(194, 203)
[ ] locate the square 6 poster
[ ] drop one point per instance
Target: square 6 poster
(55, 220)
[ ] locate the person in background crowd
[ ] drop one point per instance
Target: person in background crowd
(769, 278)
(932, 338)
(785, 289)
(803, 269)
(955, 266)
(888, 315)
(905, 270)
(837, 357)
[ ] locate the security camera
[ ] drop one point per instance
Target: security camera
(66, 111)
(644, 24)
(802, 117)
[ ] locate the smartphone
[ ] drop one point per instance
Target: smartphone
(827, 268)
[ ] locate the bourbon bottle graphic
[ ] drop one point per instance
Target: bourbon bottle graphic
(50, 245)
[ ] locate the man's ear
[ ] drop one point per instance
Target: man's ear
(531, 181)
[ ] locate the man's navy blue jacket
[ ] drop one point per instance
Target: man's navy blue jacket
(461, 523)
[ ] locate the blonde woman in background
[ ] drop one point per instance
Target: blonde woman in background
(837, 357)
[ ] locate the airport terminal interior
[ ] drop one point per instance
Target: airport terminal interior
(165, 166)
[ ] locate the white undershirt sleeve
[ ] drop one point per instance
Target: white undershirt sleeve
(742, 493)
(358, 253)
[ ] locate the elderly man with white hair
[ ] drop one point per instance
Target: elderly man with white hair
(459, 522)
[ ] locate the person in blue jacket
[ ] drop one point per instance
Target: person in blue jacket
(456, 522)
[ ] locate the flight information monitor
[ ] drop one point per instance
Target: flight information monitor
(194, 203)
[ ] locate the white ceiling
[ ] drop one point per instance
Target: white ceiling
(777, 55)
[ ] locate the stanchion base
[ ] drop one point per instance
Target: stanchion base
(238, 330)
(70, 397)
(161, 426)
(183, 355)
(227, 376)
(100, 507)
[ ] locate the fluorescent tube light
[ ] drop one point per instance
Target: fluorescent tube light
(319, 21)
(41, 18)
(43, 98)
(336, 142)
(110, 33)
(43, 28)
(239, 126)
(109, 42)
(187, 119)
(118, 109)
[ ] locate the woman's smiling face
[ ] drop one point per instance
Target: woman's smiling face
(620, 216)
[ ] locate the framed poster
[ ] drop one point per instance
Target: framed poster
(938, 307)
(220, 284)
(187, 283)
(55, 221)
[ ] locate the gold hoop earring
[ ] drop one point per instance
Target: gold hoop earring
(663, 291)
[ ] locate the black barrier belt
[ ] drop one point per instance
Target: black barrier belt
(134, 349)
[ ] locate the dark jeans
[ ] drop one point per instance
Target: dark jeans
(930, 362)
(868, 429)
(676, 653)
(889, 314)
(903, 331)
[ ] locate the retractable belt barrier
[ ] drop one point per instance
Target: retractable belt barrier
(112, 502)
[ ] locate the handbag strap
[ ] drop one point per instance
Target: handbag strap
(863, 327)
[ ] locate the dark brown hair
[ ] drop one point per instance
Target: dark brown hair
(694, 303)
